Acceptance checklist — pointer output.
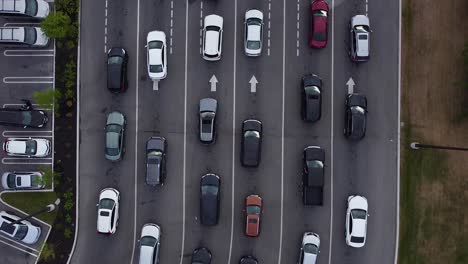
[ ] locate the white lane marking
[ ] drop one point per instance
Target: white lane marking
(18, 243)
(350, 83)
(28, 53)
(282, 133)
(18, 248)
(201, 25)
(40, 108)
(233, 188)
(297, 28)
(20, 24)
(331, 128)
(184, 161)
(397, 219)
(155, 85)
(105, 28)
(135, 178)
(6, 133)
(11, 161)
(172, 24)
(269, 26)
(367, 7)
(40, 79)
(253, 84)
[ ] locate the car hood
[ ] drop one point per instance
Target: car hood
(116, 118)
(208, 105)
(311, 239)
(213, 20)
(42, 39)
(320, 5)
(253, 13)
(357, 202)
(43, 8)
(32, 235)
(151, 230)
(201, 255)
(314, 153)
(359, 20)
(42, 147)
(155, 143)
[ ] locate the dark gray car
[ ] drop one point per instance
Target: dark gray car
(208, 108)
(355, 116)
(311, 98)
(115, 128)
(251, 143)
(210, 185)
(201, 256)
(156, 148)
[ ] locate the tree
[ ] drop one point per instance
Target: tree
(48, 98)
(58, 26)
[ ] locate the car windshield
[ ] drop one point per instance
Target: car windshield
(156, 68)
(106, 204)
(320, 36)
(253, 45)
(253, 209)
(27, 117)
(115, 60)
(358, 214)
(113, 128)
(31, 7)
(148, 241)
(362, 28)
(21, 232)
(357, 109)
(314, 164)
(30, 35)
(312, 91)
(31, 146)
(209, 189)
(155, 44)
(311, 249)
(252, 133)
(11, 180)
(357, 239)
(154, 157)
(320, 13)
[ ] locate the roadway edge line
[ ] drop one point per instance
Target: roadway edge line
(331, 130)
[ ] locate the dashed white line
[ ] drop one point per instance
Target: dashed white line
(297, 28)
(201, 25)
(105, 28)
(172, 25)
(269, 26)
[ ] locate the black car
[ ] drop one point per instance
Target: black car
(248, 260)
(156, 148)
(208, 108)
(210, 185)
(355, 116)
(23, 117)
(117, 70)
(251, 143)
(311, 98)
(201, 256)
(313, 175)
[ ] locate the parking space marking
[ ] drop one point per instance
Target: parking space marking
(201, 25)
(39, 79)
(18, 243)
(7, 133)
(12, 161)
(105, 28)
(29, 53)
(18, 248)
(367, 7)
(172, 25)
(297, 29)
(269, 26)
(19, 105)
(20, 24)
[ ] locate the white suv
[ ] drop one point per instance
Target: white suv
(37, 9)
(27, 147)
(356, 221)
(212, 37)
(359, 38)
(108, 211)
(32, 37)
(23, 231)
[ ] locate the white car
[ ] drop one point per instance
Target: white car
(108, 211)
(309, 248)
(32, 37)
(253, 32)
(212, 37)
(156, 55)
(24, 180)
(27, 147)
(356, 221)
(359, 38)
(37, 9)
(23, 231)
(149, 244)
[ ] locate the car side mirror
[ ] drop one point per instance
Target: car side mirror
(97, 205)
(146, 45)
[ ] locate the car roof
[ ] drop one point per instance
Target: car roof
(254, 32)
(155, 56)
(212, 42)
(359, 227)
(16, 146)
(362, 45)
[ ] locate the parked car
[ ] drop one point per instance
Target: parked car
(248, 260)
(359, 49)
(253, 33)
(309, 248)
(108, 211)
(251, 143)
(117, 70)
(208, 108)
(212, 37)
(23, 231)
(355, 116)
(32, 37)
(36, 9)
(149, 244)
(115, 135)
(356, 221)
(313, 175)
(22, 180)
(318, 36)
(156, 148)
(27, 147)
(23, 118)
(210, 188)
(311, 98)
(201, 256)
(156, 53)
(253, 209)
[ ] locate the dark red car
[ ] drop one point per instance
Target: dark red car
(253, 208)
(318, 24)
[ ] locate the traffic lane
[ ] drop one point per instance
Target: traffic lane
(96, 172)
(300, 134)
(14, 255)
(161, 114)
(265, 104)
(215, 158)
(375, 178)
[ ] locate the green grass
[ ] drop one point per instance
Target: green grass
(32, 202)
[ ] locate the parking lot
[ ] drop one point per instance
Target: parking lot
(22, 72)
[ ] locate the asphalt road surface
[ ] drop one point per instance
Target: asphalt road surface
(367, 167)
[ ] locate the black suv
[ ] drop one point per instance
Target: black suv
(24, 117)
(355, 116)
(251, 143)
(210, 185)
(156, 160)
(117, 70)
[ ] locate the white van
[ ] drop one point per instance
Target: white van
(23, 36)
(37, 9)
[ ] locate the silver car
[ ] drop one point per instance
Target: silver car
(208, 108)
(22, 180)
(309, 248)
(360, 38)
(115, 128)
(23, 231)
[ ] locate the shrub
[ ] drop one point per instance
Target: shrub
(58, 25)
(47, 98)
(48, 252)
(68, 233)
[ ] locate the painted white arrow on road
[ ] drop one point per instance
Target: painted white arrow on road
(213, 82)
(253, 84)
(350, 83)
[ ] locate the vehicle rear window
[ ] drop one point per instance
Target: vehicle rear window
(155, 45)
(156, 68)
(363, 37)
(7, 228)
(104, 213)
(252, 221)
(357, 239)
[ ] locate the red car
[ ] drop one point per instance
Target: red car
(318, 24)
(253, 208)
